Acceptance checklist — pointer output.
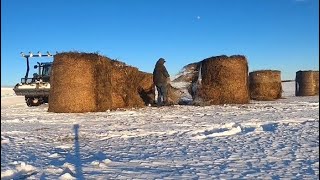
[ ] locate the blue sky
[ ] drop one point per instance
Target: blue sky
(273, 34)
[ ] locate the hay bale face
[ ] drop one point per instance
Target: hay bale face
(224, 81)
(73, 83)
(83, 82)
(265, 85)
(306, 83)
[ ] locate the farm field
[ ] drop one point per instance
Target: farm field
(262, 139)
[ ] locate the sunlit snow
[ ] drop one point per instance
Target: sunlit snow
(262, 139)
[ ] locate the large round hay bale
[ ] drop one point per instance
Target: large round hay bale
(224, 81)
(74, 83)
(265, 85)
(305, 84)
(316, 82)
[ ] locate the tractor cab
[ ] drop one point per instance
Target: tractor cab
(44, 71)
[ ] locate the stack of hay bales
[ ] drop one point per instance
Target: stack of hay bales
(265, 85)
(88, 82)
(307, 83)
(224, 81)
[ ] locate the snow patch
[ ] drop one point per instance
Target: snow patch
(22, 171)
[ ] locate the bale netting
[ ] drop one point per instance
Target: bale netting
(306, 83)
(224, 81)
(265, 85)
(88, 82)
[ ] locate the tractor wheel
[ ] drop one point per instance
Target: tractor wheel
(33, 101)
(45, 100)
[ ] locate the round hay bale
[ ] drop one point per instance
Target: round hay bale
(305, 84)
(265, 85)
(133, 80)
(316, 82)
(224, 81)
(72, 83)
(130, 87)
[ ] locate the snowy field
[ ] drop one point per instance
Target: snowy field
(261, 140)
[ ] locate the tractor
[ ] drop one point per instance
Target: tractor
(35, 89)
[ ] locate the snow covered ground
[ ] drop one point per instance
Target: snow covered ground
(263, 139)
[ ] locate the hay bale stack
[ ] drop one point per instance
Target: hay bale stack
(86, 82)
(316, 82)
(305, 83)
(224, 81)
(265, 85)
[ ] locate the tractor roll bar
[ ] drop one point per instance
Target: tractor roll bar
(27, 56)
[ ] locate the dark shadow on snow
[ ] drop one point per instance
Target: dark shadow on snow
(77, 162)
(270, 127)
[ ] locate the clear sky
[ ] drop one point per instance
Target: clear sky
(273, 34)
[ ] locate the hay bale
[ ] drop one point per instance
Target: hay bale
(224, 81)
(265, 85)
(316, 82)
(103, 84)
(86, 82)
(134, 79)
(305, 83)
(73, 83)
(146, 88)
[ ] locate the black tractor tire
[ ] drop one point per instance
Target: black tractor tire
(46, 100)
(32, 101)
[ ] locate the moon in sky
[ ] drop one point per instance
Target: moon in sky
(198, 17)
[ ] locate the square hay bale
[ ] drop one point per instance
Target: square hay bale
(87, 82)
(265, 85)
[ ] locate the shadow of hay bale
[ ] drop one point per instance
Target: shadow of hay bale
(224, 81)
(265, 85)
(88, 82)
